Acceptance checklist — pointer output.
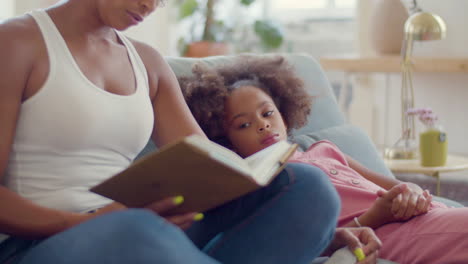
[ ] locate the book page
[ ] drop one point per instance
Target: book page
(265, 162)
(222, 154)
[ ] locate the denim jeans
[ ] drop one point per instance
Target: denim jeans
(292, 220)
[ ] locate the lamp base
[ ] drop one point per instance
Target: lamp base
(404, 149)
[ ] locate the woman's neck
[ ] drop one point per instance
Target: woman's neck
(80, 20)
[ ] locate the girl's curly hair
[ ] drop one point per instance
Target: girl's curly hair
(208, 88)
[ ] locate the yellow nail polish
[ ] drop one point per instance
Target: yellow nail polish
(359, 254)
(178, 200)
(198, 217)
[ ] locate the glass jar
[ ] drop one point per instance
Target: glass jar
(433, 147)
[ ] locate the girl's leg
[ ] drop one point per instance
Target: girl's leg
(292, 220)
(131, 236)
(440, 236)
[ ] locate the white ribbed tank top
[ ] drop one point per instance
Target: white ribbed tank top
(71, 134)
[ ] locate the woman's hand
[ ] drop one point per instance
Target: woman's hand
(161, 208)
(357, 237)
(412, 202)
(183, 221)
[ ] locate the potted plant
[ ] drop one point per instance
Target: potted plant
(211, 35)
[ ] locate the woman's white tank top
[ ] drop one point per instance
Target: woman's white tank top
(72, 135)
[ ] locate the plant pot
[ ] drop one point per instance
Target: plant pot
(206, 48)
(387, 23)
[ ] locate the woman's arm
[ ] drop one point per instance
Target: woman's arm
(22, 218)
(172, 117)
(355, 238)
(19, 216)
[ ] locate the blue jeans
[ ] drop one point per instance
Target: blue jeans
(292, 221)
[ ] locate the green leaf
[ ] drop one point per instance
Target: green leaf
(182, 46)
(247, 2)
(187, 8)
(270, 33)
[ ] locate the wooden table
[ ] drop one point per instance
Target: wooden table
(454, 163)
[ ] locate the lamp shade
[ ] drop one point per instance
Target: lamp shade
(425, 26)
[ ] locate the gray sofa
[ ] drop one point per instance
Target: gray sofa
(325, 122)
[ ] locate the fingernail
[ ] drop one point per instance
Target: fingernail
(178, 200)
(198, 217)
(359, 254)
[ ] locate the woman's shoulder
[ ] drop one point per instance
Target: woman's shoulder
(148, 54)
(159, 72)
(19, 28)
(21, 45)
(20, 35)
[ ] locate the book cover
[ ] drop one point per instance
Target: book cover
(205, 173)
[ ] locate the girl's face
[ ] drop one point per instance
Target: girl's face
(252, 120)
(122, 14)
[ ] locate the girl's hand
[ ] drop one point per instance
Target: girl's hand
(412, 202)
(183, 221)
(380, 212)
(357, 237)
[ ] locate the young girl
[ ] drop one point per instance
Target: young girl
(254, 103)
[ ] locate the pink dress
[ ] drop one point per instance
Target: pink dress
(439, 236)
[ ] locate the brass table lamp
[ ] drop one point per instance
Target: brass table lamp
(420, 26)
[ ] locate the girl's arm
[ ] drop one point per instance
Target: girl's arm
(383, 181)
(380, 212)
(410, 200)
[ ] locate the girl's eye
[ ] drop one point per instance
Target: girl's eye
(268, 113)
(244, 125)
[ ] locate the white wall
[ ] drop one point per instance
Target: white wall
(23, 6)
(445, 93)
(6, 8)
(155, 30)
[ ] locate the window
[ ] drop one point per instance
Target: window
(318, 28)
(311, 26)
(294, 10)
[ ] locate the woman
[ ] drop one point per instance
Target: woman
(78, 101)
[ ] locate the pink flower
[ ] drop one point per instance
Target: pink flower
(418, 111)
(426, 116)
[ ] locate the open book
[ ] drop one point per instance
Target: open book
(205, 173)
